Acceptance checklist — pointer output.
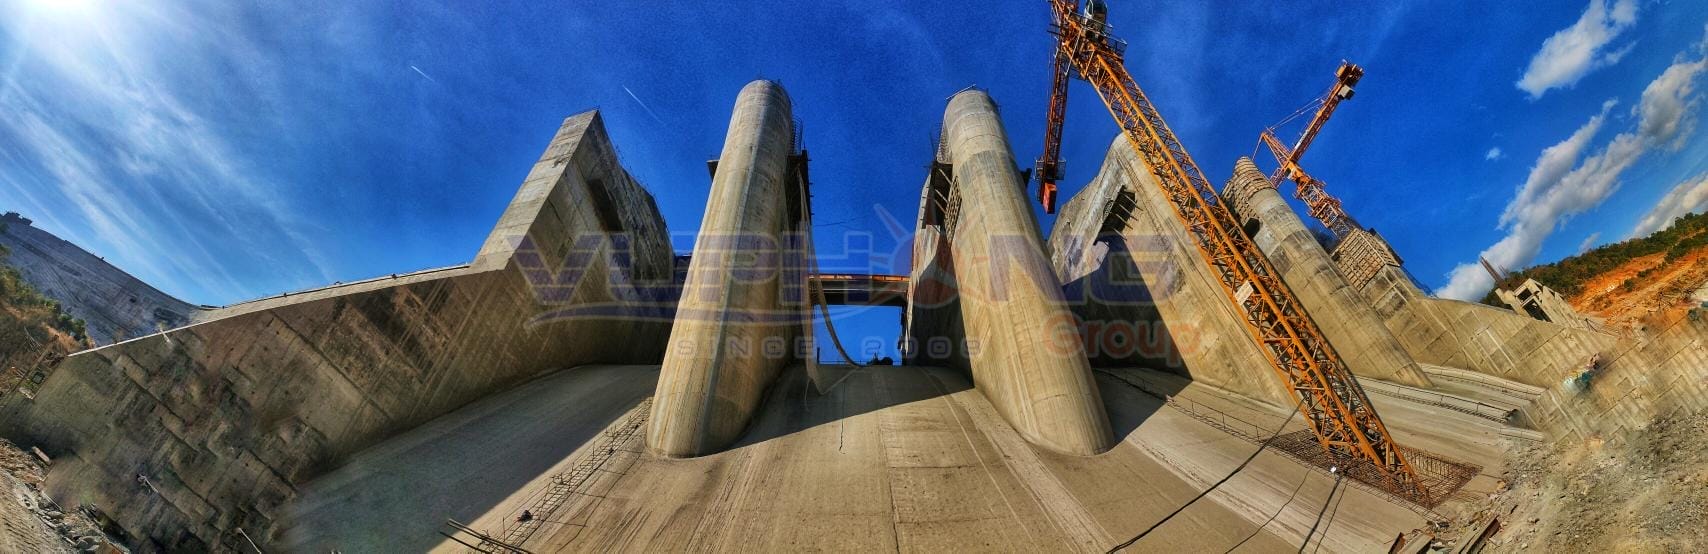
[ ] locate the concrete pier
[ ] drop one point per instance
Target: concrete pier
(182, 436)
(1142, 289)
(732, 334)
(1020, 339)
(1345, 317)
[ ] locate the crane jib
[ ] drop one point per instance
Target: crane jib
(1335, 407)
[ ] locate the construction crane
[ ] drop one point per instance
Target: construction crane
(1333, 404)
(1318, 202)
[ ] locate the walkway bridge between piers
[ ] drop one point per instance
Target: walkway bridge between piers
(863, 290)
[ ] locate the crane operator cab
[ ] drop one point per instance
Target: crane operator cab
(1095, 18)
(1096, 11)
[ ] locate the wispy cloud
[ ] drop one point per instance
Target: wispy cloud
(1560, 187)
(131, 163)
(643, 105)
(1494, 154)
(1690, 196)
(424, 74)
(1581, 48)
(1589, 242)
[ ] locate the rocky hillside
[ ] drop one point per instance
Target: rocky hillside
(35, 332)
(1626, 282)
(114, 305)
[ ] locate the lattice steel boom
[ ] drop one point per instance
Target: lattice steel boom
(1335, 407)
(1318, 202)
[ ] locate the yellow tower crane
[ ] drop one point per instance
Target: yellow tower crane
(1322, 206)
(1333, 404)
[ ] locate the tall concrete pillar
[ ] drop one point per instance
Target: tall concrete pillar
(1343, 314)
(733, 312)
(1021, 341)
(1141, 288)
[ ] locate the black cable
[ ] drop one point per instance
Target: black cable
(1331, 514)
(1324, 510)
(1206, 492)
(1259, 529)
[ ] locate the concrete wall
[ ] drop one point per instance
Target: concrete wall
(734, 329)
(1665, 374)
(1343, 315)
(1132, 261)
(114, 304)
(1481, 338)
(1635, 380)
(933, 324)
(1019, 337)
(183, 437)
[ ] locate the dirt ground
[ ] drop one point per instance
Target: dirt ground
(29, 522)
(1646, 494)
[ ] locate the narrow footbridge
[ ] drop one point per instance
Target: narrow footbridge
(863, 290)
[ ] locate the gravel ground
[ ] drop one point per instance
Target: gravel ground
(29, 522)
(1646, 494)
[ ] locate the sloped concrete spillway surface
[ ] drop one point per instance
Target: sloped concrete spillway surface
(903, 458)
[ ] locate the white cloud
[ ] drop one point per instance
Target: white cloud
(1494, 154)
(1668, 109)
(1690, 196)
(1559, 186)
(1581, 48)
(1589, 242)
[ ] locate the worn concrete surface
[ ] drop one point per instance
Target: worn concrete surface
(893, 458)
(1129, 263)
(394, 496)
(1343, 315)
(733, 331)
(187, 435)
(1019, 338)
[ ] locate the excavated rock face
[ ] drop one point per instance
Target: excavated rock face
(114, 305)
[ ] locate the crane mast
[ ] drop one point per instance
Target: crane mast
(1318, 202)
(1335, 407)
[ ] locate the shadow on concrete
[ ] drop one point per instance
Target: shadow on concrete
(793, 405)
(1132, 394)
(1124, 333)
(1117, 308)
(396, 495)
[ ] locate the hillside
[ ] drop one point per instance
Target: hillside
(113, 304)
(1627, 281)
(34, 331)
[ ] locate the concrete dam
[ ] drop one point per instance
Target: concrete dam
(577, 386)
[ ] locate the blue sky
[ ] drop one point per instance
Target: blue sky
(224, 151)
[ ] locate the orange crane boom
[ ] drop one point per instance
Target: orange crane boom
(1318, 202)
(1333, 404)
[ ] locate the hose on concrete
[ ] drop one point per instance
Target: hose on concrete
(1260, 447)
(818, 290)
